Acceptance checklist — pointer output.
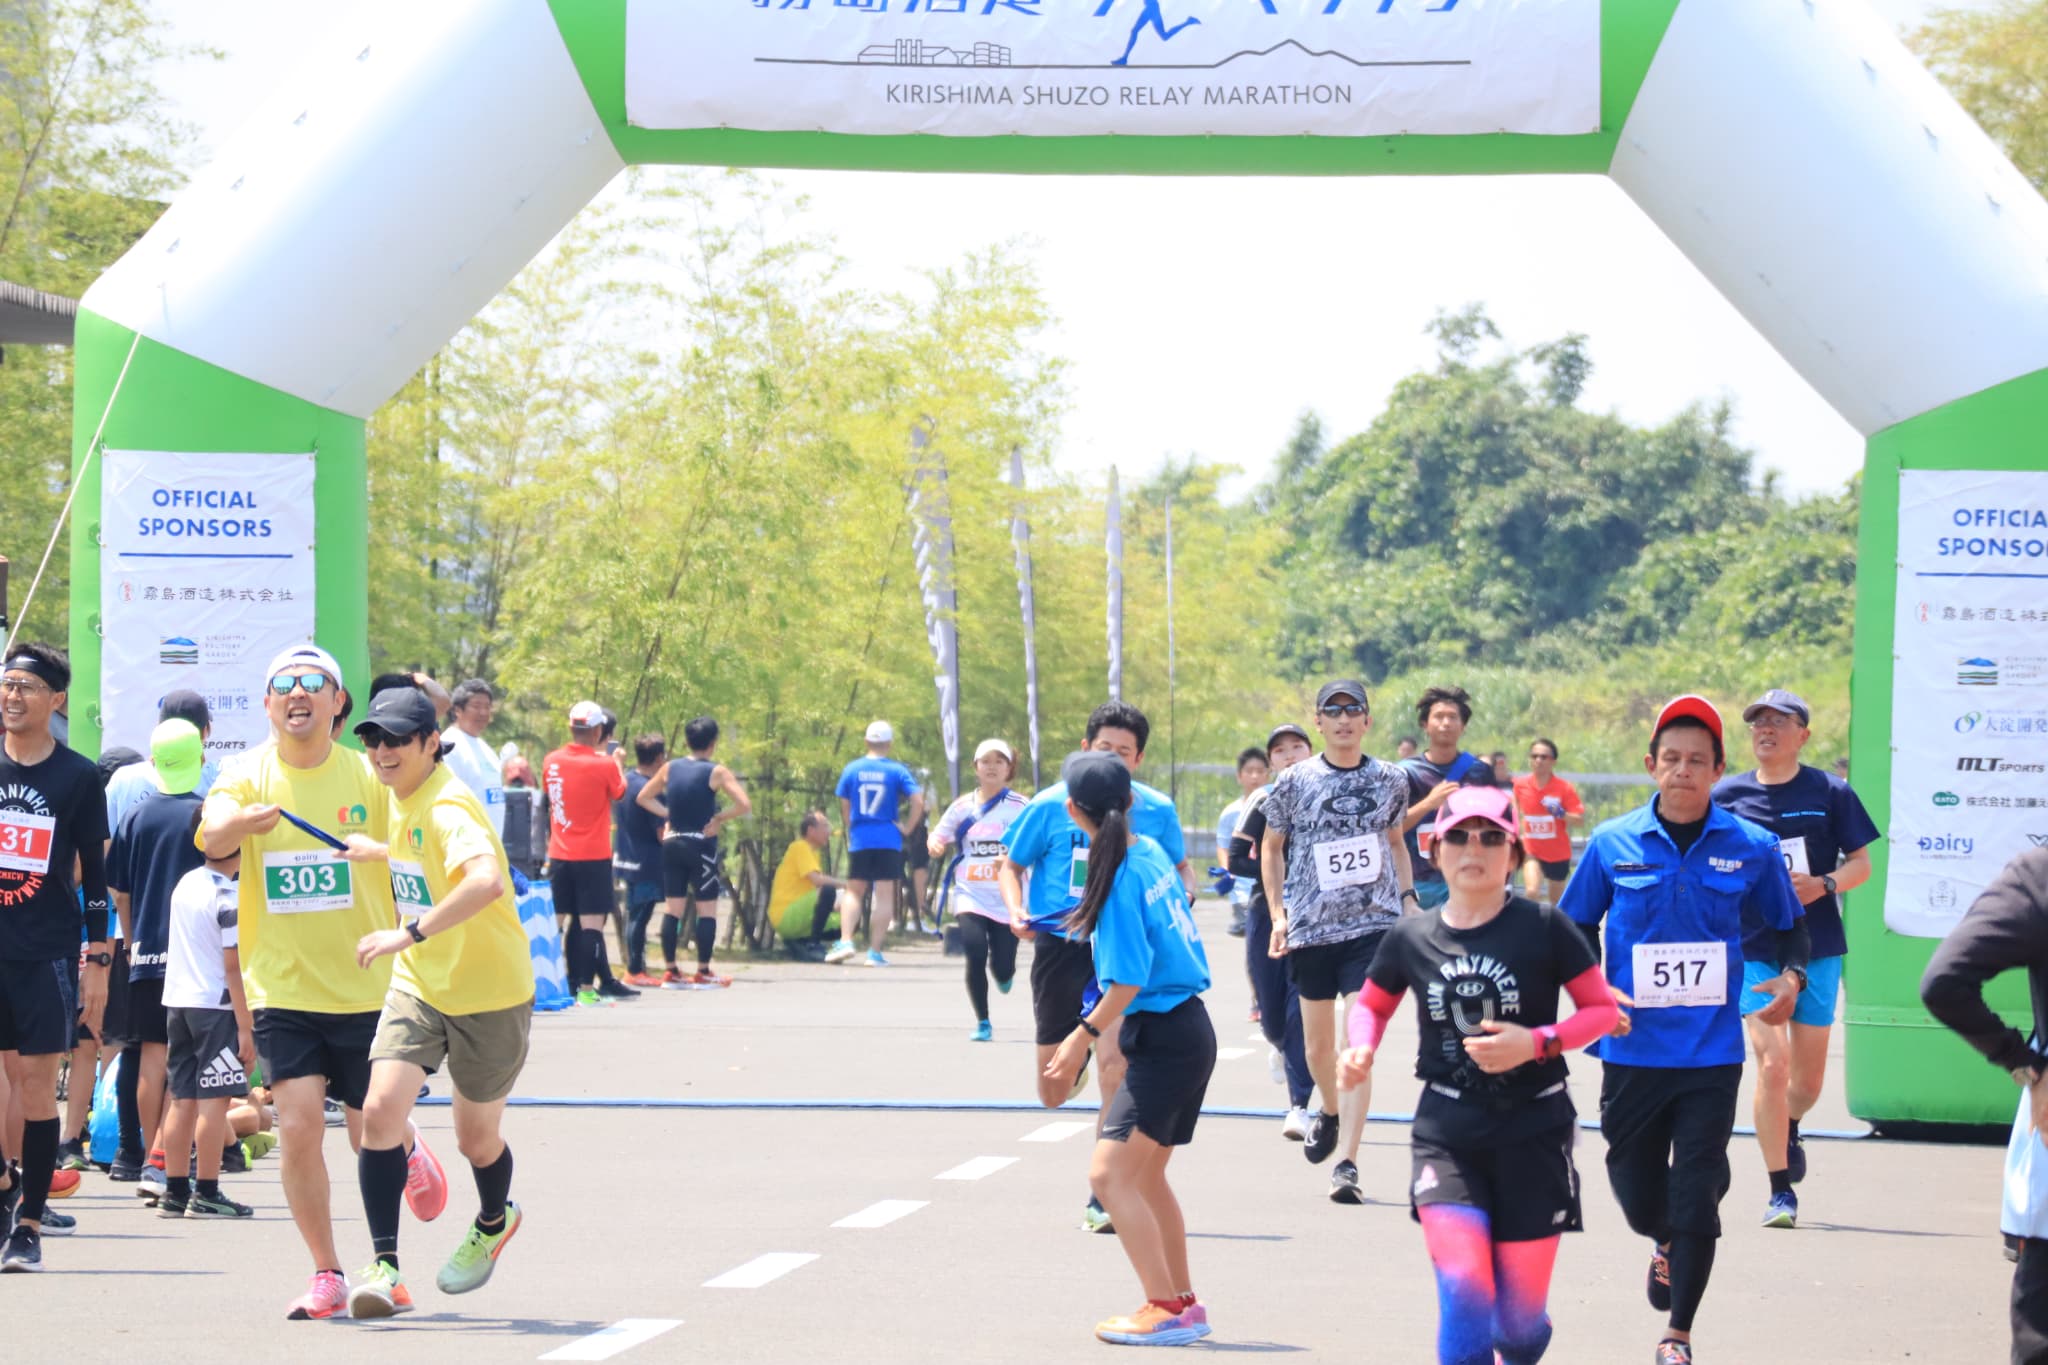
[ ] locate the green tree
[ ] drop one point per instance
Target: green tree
(1995, 62)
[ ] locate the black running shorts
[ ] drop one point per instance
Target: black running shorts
(202, 1061)
(295, 1043)
(1168, 1058)
(1559, 871)
(147, 1021)
(1062, 970)
(1667, 1131)
(582, 887)
(875, 865)
(689, 868)
(38, 1007)
(1326, 971)
(1528, 1190)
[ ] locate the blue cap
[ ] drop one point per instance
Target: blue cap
(1778, 699)
(1097, 781)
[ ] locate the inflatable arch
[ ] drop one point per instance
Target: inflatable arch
(1792, 148)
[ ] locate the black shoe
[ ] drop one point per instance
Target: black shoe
(57, 1224)
(234, 1160)
(617, 990)
(1659, 1287)
(71, 1155)
(1795, 1158)
(1322, 1138)
(22, 1253)
(9, 1197)
(126, 1170)
(1344, 1184)
(170, 1206)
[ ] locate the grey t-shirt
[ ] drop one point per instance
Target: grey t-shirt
(1339, 823)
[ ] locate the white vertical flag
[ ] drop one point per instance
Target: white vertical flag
(1114, 544)
(1020, 535)
(932, 537)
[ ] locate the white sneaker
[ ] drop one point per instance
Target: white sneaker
(841, 951)
(1276, 1066)
(154, 1184)
(1295, 1126)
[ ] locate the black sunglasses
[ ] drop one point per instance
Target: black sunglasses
(1346, 708)
(313, 684)
(1488, 838)
(383, 739)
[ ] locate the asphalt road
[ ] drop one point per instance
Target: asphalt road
(710, 1229)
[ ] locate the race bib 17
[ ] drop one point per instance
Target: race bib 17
(1673, 975)
(306, 882)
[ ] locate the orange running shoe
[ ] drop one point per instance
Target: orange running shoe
(426, 1184)
(63, 1184)
(1154, 1326)
(641, 979)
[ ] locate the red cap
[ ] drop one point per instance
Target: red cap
(1692, 705)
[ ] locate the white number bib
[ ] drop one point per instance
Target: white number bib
(409, 889)
(1350, 862)
(25, 841)
(307, 882)
(1795, 855)
(1540, 826)
(1670, 975)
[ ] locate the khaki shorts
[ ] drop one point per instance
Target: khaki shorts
(485, 1052)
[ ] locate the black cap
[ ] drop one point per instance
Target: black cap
(1342, 687)
(1290, 728)
(1097, 781)
(401, 711)
(185, 704)
(113, 760)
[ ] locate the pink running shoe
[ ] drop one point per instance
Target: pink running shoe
(426, 1184)
(326, 1296)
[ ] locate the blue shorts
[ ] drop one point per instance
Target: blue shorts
(1816, 1003)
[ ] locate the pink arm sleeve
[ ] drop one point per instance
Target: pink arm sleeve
(1371, 1008)
(1597, 1013)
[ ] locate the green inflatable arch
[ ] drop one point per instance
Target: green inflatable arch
(1792, 148)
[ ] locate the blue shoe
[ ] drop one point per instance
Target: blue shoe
(982, 1033)
(1004, 986)
(1795, 1159)
(1783, 1212)
(875, 958)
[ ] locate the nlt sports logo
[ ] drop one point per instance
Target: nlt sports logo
(1979, 764)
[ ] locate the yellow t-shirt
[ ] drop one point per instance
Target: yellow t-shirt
(483, 963)
(792, 878)
(302, 908)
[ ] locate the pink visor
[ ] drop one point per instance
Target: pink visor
(1490, 804)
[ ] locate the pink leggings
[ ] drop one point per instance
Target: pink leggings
(1491, 1296)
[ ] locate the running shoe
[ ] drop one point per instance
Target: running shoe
(1276, 1066)
(1295, 1126)
(426, 1184)
(587, 996)
(642, 980)
(126, 1170)
(1152, 1326)
(875, 958)
(152, 1183)
(1004, 986)
(1095, 1218)
(1783, 1211)
(1795, 1157)
(71, 1155)
(1321, 1139)
(22, 1253)
(234, 1159)
(982, 1033)
(378, 1293)
(673, 980)
(259, 1145)
(64, 1182)
(1197, 1315)
(841, 951)
(57, 1224)
(1671, 1352)
(471, 1264)
(215, 1206)
(10, 1196)
(614, 990)
(170, 1206)
(706, 977)
(326, 1296)
(1344, 1184)
(1659, 1287)
(336, 1116)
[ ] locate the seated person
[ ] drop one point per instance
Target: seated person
(800, 899)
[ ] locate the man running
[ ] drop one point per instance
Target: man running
(581, 784)
(302, 909)
(1337, 879)
(870, 791)
(52, 811)
(684, 795)
(1548, 808)
(1674, 882)
(470, 756)
(1440, 769)
(636, 860)
(1253, 772)
(1825, 835)
(1049, 850)
(461, 993)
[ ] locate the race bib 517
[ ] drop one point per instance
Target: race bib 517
(1671, 975)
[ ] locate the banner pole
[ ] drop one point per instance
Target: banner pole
(1020, 535)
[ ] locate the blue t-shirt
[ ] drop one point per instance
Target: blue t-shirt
(873, 788)
(1633, 877)
(1146, 935)
(1817, 819)
(1051, 849)
(151, 852)
(1467, 770)
(636, 835)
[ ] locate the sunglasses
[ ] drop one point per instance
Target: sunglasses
(1348, 708)
(1488, 838)
(312, 684)
(384, 739)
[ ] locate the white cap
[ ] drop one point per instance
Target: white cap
(307, 655)
(994, 746)
(508, 751)
(880, 733)
(587, 715)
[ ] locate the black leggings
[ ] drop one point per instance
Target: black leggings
(988, 944)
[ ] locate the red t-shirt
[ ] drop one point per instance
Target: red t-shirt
(1546, 837)
(581, 784)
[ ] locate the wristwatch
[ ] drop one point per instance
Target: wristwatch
(99, 959)
(412, 926)
(1548, 1045)
(1828, 883)
(1798, 974)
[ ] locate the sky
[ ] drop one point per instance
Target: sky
(1201, 317)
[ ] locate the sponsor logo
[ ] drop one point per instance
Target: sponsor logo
(1947, 799)
(177, 651)
(2038, 840)
(416, 836)
(2016, 724)
(1946, 845)
(1942, 895)
(224, 1074)
(1427, 1181)
(1978, 764)
(1725, 864)
(352, 815)
(1977, 672)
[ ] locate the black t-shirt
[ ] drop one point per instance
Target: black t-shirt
(1511, 968)
(1817, 818)
(1466, 770)
(50, 812)
(152, 852)
(636, 832)
(1244, 855)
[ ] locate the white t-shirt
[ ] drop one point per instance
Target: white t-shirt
(475, 764)
(204, 922)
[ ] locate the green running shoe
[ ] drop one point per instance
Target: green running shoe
(471, 1264)
(587, 996)
(378, 1293)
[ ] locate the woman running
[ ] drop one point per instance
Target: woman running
(1152, 970)
(977, 823)
(1493, 1181)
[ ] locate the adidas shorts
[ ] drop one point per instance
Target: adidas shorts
(203, 1064)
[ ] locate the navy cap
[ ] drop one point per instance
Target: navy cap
(1097, 781)
(1290, 728)
(1778, 699)
(1342, 687)
(185, 704)
(401, 711)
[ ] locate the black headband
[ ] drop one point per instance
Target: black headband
(29, 663)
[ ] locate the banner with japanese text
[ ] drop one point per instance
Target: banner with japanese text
(1969, 690)
(206, 572)
(1068, 68)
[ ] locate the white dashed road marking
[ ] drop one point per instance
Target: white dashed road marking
(618, 1337)
(763, 1269)
(977, 1168)
(1058, 1132)
(882, 1214)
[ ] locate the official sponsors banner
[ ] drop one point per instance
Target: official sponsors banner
(1066, 68)
(206, 572)
(1969, 690)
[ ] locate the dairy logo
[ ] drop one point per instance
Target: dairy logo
(1936, 846)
